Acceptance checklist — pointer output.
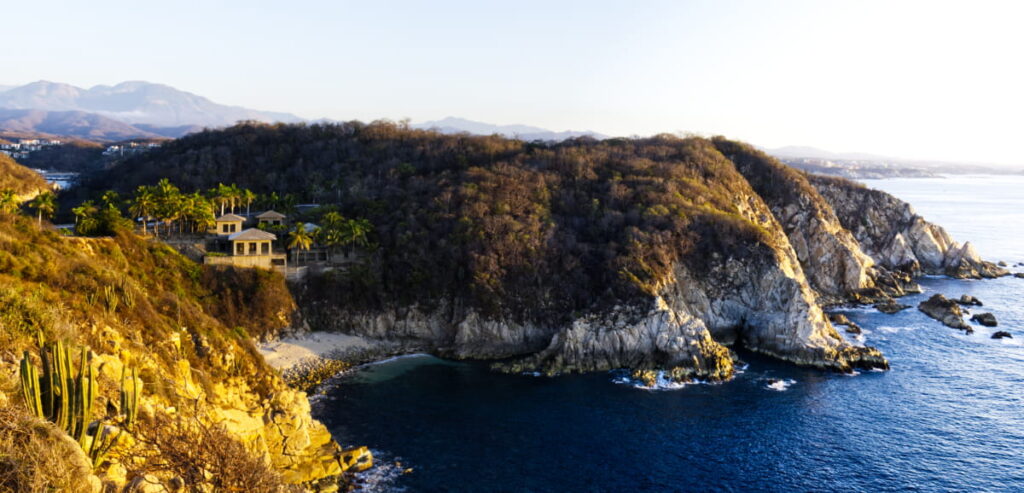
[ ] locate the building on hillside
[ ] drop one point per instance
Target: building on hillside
(250, 248)
(228, 224)
(271, 218)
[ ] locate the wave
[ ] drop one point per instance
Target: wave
(779, 384)
(661, 382)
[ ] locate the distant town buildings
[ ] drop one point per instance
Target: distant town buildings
(22, 148)
(129, 148)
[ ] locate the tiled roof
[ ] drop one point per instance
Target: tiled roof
(252, 234)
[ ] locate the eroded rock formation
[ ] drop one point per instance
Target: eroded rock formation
(894, 235)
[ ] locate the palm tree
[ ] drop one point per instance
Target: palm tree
(300, 238)
(234, 196)
(356, 232)
(87, 209)
(220, 195)
(168, 204)
(248, 197)
(8, 202)
(45, 204)
(142, 205)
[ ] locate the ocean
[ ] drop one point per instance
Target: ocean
(949, 416)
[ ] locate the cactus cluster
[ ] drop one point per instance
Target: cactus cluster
(67, 400)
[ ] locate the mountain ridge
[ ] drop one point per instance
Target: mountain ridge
(135, 102)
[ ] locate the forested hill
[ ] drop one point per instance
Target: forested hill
(539, 228)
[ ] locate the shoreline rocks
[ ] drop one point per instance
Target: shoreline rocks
(986, 319)
(968, 300)
(840, 319)
(1001, 334)
(890, 307)
(946, 311)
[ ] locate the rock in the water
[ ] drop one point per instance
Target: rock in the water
(840, 319)
(356, 459)
(968, 300)
(1001, 334)
(986, 319)
(946, 311)
(1019, 275)
(890, 307)
(1002, 263)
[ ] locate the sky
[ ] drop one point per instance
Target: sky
(913, 79)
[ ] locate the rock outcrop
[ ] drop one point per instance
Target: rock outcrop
(968, 300)
(946, 311)
(760, 298)
(896, 237)
(890, 307)
(830, 257)
(986, 319)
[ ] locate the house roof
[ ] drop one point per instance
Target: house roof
(270, 215)
(230, 218)
(252, 234)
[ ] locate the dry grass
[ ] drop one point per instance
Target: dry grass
(35, 456)
(202, 455)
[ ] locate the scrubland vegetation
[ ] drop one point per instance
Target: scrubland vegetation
(538, 229)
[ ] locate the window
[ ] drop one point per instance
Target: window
(232, 228)
(265, 248)
(225, 228)
(252, 248)
(239, 248)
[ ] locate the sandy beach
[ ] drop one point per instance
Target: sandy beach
(289, 352)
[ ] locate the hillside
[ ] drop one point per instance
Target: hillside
(78, 124)
(19, 179)
(574, 256)
(208, 399)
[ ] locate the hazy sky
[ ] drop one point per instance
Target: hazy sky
(914, 79)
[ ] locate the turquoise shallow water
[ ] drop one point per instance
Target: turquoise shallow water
(949, 416)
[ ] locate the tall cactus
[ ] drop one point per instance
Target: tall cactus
(131, 387)
(67, 400)
(30, 386)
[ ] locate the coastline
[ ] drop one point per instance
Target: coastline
(306, 361)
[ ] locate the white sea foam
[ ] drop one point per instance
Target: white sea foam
(381, 477)
(779, 385)
(661, 382)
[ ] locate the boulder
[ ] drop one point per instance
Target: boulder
(1019, 275)
(356, 459)
(840, 319)
(890, 307)
(1001, 263)
(986, 319)
(1001, 334)
(946, 311)
(968, 300)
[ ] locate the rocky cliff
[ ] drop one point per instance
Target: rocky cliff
(894, 235)
(830, 256)
(581, 255)
(740, 279)
(212, 415)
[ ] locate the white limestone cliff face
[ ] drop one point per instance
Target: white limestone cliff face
(896, 237)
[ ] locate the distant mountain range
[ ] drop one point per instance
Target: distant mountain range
(452, 125)
(126, 110)
(82, 125)
(816, 153)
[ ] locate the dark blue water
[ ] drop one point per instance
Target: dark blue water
(949, 416)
